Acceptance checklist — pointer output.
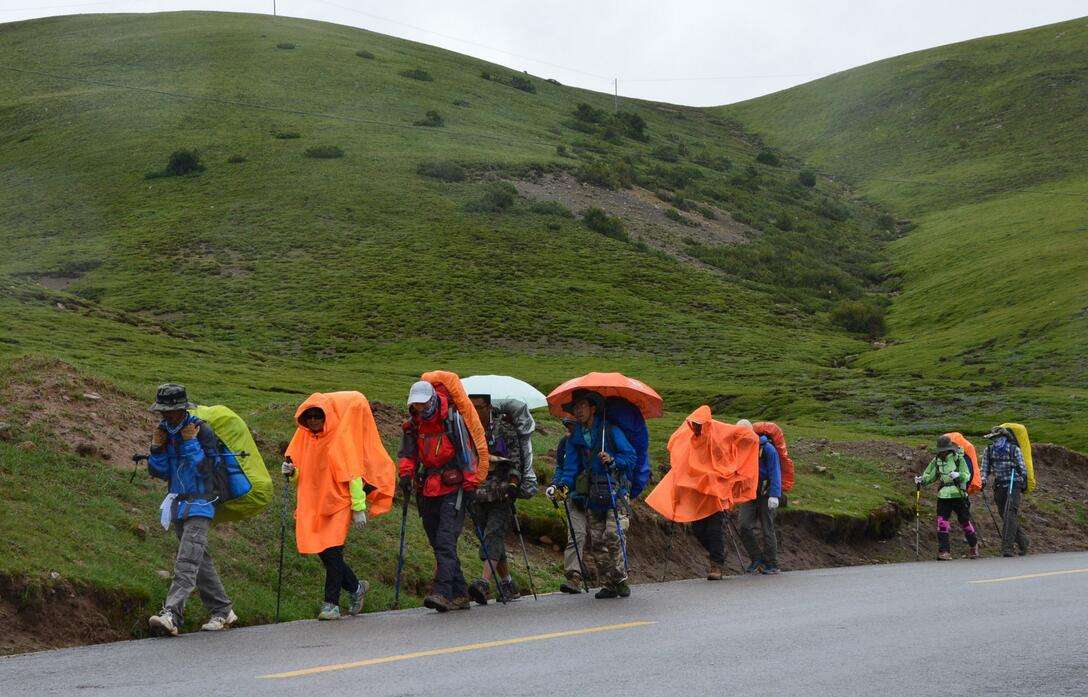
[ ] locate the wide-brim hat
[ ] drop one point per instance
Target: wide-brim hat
(171, 397)
(997, 431)
(946, 445)
(595, 398)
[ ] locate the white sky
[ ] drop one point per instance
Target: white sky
(658, 50)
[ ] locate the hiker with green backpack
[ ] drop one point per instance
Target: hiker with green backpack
(950, 470)
(186, 453)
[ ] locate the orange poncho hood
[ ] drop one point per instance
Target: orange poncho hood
(710, 472)
(347, 448)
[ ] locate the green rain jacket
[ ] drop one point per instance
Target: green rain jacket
(940, 468)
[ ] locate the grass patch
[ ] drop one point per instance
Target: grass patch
(324, 152)
(417, 74)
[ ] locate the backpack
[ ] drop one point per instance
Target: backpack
(242, 478)
(1024, 442)
(778, 438)
(463, 424)
(974, 482)
(625, 416)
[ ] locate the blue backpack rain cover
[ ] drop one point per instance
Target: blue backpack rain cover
(627, 417)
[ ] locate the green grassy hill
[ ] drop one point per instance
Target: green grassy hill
(983, 145)
(272, 271)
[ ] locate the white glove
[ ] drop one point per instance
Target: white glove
(287, 469)
(772, 502)
(550, 492)
(954, 475)
(358, 519)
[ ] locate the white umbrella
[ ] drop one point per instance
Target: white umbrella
(505, 387)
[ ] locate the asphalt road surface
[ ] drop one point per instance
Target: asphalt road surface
(987, 627)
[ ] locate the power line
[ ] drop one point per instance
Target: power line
(53, 7)
(721, 77)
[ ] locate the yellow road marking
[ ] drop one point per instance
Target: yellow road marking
(1020, 578)
(455, 649)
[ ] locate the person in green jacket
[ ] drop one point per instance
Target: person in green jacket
(949, 469)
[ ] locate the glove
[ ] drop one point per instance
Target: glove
(982, 482)
(556, 493)
(406, 485)
(918, 480)
(954, 475)
(189, 431)
(358, 519)
(158, 439)
(772, 502)
(287, 469)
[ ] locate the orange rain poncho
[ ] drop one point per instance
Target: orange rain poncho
(710, 472)
(348, 448)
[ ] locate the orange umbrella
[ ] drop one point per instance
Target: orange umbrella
(609, 385)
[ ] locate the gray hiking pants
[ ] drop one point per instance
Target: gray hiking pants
(193, 568)
(755, 513)
(570, 556)
(1011, 532)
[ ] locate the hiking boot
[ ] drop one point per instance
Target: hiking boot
(973, 553)
(357, 598)
(1007, 554)
(714, 573)
(436, 602)
(572, 585)
(480, 591)
(606, 592)
(461, 602)
(163, 624)
(755, 567)
(623, 590)
(510, 590)
(770, 570)
(329, 611)
(219, 622)
(944, 556)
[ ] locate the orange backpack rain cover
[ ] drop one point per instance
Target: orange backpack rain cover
(975, 485)
(710, 472)
(463, 405)
(347, 448)
(772, 431)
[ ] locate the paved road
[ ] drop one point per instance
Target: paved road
(908, 629)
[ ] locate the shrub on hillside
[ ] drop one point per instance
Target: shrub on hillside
(461, 103)
(561, 150)
(323, 152)
(286, 135)
(587, 114)
(432, 120)
(363, 53)
(498, 197)
(613, 175)
(768, 157)
(553, 81)
(417, 74)
(886, 222)
(633, 125)
(673, 214)
(522, 83)
(860, 317)
(718, 163)
(666, 153)
(285, 45)
(444, 170)
(707, 212)
(236, 159)
(608, 225)
(550, 208)
(833, 210)
(807, 177)
(181, 163)
(784, 222)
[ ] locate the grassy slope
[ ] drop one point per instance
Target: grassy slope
(983, 145)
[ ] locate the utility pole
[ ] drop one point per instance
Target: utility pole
(616, 98)
(273, 8)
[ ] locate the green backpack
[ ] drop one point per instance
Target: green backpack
(246, 470)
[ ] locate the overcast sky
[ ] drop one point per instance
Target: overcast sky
(697, 52)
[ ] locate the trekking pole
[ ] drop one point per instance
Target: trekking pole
(483, 549)
(283, 535)
(1005, 515)
(616, 516)
(574, 540)
(668, 547)
(524, 552)
(917, 519)
(400, 554)
(986, 505)
(733, 535)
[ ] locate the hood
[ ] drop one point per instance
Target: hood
(326, 403)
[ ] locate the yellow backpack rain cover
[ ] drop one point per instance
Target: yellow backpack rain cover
(234, 433)
(1021, 433)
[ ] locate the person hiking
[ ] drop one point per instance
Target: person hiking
(949, 469)
(517, 414)
(606, 467)
(576, 532)
(494, 502)
(761, 510)
(336, 459)
(429, 464)
(1002, 463)
(185, 452)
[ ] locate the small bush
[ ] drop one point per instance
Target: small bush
(666, 153)
(363, 53)
(550, 208)
(587, 114)
(461, 103)
(183, 162)
(444, 170)
(286, 135)
(860, 317)
(833, 210)
(634, 126)
(768, 157)
(611, 176)
(285, 45)
(485, 75)
(886, 222)
(612, 134)
(417, 74)
(236, 159)
(432, 120)
(718, 163)
(561, 150)
(673, 214)
(707, 212)
(553, 81)
(808, 178)
(610, 226)
(323, 152)
(784, 222)
(498, 197)
(522, 83)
